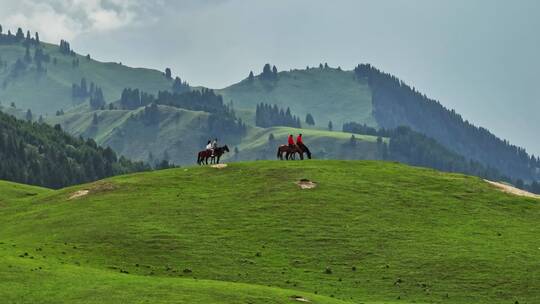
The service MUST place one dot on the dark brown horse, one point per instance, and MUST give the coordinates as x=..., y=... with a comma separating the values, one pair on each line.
x=203, y=156
x=291, y=151
x=218, y=152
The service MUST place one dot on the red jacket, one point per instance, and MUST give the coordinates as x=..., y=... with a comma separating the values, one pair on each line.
x=299, y=140
x=291, y=140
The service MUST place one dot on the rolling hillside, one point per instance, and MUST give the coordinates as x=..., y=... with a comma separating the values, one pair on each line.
x=52, y=90
x=370, y=232
x=177, y=136
x=323, y=144
x=328, y=94
x=364, y=95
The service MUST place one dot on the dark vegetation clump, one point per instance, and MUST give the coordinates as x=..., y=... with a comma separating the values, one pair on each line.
x=267, y=116
x=38, y=154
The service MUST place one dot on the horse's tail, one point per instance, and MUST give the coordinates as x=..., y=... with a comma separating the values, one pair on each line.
x=199, y=158
x=279, y=153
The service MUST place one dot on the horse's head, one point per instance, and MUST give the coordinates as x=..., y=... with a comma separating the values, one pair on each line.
x=226, y=148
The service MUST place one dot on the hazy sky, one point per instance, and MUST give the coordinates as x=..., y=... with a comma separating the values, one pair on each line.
x=481, y=58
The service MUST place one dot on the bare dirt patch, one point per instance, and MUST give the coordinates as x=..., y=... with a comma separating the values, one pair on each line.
x=219, y=166
x=78, y=194
x=306, y=184
x=512, y=190
x=300, y=299
x=94, y=188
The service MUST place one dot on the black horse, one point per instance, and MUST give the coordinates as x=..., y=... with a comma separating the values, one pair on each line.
x=218, y=152
x=203, y=156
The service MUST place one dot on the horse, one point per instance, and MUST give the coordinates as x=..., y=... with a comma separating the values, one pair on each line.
x=203, y=156
x=218, y=152
x=290, y=151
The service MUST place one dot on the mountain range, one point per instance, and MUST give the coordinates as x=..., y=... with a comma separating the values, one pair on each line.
x=152, y=115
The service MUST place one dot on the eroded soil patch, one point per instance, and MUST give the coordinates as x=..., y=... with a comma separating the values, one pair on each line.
x=512, y=190
x=306, y=184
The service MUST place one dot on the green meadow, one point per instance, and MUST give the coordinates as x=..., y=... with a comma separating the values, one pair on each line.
x=369, y=232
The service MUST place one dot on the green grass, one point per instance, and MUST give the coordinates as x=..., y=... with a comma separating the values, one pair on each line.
x=47, y=93
x=328, y=94
x=250, y=235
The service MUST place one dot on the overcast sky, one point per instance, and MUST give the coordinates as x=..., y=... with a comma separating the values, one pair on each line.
x=479, y=57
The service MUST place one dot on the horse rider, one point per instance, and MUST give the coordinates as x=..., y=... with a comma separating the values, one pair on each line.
x=214, y=146
x=209, y=147
x=290, y=141
x=299, y=141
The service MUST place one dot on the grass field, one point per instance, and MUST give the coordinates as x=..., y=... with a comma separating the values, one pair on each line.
x=370, y=232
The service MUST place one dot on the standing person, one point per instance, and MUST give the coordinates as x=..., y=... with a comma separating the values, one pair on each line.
x=290, y=141
x=209, y=147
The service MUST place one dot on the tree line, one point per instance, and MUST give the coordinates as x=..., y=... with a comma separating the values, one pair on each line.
x=397, y=104
x=267, y=116
x=414, y=148
x=221, y=122
x=38, y=154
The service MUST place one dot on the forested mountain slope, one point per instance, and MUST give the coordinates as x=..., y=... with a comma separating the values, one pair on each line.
x=396, y=104
x=39, y=154
x=367, y=96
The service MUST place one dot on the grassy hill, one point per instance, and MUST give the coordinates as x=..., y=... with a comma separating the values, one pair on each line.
x=328, y=94
x=51, y=91
x=182, y=133
x=179, y=133
x=370, y=232
x=323, y=144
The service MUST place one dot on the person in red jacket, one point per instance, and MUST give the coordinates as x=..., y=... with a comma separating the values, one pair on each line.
x=299, y=141
x=290, y=141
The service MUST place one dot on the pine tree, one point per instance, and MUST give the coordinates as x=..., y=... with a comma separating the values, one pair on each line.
x=330, y=126
x=37, y=38
x=274, y=72
x=29, y=115
x=309, y=119
x=20, y=35
x=168, y=73
x=251, y=76
x=267, y=72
